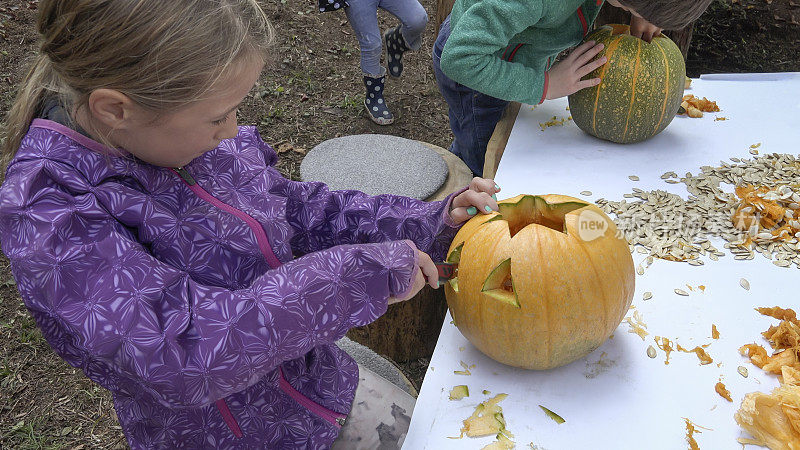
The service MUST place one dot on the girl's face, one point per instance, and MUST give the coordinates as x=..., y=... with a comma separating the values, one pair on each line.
x=175, y=139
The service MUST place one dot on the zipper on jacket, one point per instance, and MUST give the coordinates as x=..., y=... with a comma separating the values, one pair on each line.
x=334, y=418
x=185, y=175
x=255, y=227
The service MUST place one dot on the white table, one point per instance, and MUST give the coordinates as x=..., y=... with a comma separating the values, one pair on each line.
x=617, y=397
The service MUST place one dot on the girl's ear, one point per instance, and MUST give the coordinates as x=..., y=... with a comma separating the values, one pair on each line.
x=112, y=108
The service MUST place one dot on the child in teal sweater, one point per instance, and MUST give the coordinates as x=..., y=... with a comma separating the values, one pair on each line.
x=490, y=52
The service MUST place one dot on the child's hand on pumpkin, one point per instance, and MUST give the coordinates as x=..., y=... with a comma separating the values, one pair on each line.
x=480, y=197
x=641, y=28
x=564, y=78
x=425, y=273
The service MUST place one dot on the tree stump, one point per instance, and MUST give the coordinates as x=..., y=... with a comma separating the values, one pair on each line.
x=409, y=330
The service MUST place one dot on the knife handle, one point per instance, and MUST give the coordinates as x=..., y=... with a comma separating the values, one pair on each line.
x=446, y=271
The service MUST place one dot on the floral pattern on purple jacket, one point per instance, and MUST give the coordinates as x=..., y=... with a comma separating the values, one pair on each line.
x=210, y=311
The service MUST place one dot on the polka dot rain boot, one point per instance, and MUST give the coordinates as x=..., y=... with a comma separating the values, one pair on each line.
x=395, y=46
x=374, y=102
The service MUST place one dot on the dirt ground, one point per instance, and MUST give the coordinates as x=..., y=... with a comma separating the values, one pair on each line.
x=312, y=93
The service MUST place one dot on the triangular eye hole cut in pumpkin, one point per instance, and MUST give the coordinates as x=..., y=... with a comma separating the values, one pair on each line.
x=454, y=258
x=532, y=209
x=500, y=286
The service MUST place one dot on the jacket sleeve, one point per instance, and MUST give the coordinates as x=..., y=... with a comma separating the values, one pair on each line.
x=322, y=218
x=470, y=56
x=102, y=299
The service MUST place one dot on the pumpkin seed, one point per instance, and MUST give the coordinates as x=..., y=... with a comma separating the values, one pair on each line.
x=745, y=284
x=669, y=226
x=742, y=371
x=651, y=352
x=640, y=270
x=633, y=177
x=586, y=193
x=782, y=263
x=681, y=292
x=647, y=296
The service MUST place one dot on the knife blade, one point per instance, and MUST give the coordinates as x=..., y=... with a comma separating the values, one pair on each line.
x=446, y=271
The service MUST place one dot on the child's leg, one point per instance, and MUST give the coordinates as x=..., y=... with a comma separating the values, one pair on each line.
x=407, y=36
x=380, y=415
x=473, y=115
x=363, y=18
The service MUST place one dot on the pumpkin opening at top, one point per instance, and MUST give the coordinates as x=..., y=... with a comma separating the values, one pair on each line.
x=533, y=209
x=640, y=91
x=531, y=291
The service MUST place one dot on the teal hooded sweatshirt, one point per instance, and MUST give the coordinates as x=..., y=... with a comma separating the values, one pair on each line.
x=503, y=48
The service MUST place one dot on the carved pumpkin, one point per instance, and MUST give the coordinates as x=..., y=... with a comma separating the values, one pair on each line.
x=540, y=283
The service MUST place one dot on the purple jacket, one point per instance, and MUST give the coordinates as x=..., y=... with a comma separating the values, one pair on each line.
x=206, y=300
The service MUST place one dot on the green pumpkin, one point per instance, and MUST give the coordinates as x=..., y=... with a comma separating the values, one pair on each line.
x=640, y=90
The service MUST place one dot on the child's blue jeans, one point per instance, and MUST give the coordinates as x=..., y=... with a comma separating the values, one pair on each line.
x=473, y=115
x=363, y=18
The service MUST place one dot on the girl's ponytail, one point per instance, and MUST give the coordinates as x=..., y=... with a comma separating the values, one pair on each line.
x=161, y=54
x=40, y=79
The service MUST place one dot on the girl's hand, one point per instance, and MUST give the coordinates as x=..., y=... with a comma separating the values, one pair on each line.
x=480, y=197
x=641, y=28
x=565, y=76
x=426, y=273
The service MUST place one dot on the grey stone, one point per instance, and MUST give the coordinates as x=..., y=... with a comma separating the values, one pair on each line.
x=376, y=164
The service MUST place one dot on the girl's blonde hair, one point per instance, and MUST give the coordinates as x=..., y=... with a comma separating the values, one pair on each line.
x=163, y=54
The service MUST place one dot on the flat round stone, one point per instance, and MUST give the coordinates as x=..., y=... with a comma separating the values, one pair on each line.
x=376, y=164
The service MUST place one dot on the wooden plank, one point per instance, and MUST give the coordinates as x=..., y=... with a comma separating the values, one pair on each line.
x=443, y=8
x=497, y=143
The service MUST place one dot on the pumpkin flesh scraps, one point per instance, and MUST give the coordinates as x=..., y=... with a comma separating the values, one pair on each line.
x=466, y=370
x=723, y=391
x=664, y=344
x=637, y=325
x=714, y=332
x=691, y=429
x=784, y=339
x=774, y=419
x=762, y=208
x=695, y=107
x=459, y=392
x=533, y=209
x=558, y=419
x=486, y=420
x=502, y=443
x=700, y=351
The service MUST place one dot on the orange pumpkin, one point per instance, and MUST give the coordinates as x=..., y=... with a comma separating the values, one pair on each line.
x=540, y=283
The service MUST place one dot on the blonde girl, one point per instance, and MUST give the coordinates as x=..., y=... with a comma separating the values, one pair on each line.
x=160, y=251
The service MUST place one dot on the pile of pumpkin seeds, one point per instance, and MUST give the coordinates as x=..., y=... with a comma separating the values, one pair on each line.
x=667, y=226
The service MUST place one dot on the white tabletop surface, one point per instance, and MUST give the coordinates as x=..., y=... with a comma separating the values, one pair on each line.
x=617, y=397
